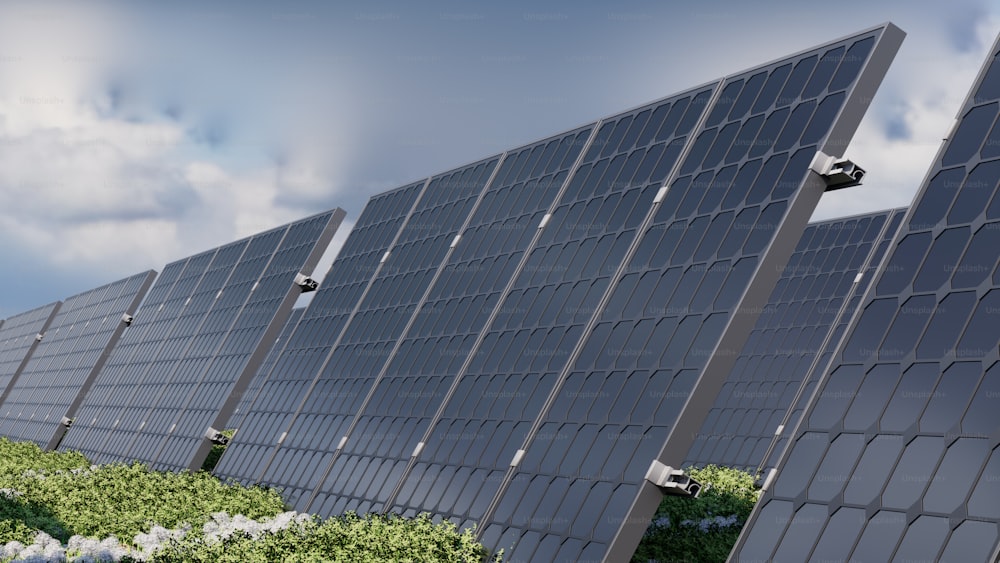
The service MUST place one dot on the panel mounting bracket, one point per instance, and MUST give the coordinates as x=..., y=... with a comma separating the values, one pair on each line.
x=838, y=173
x=672, y=481
x=216, y=437
x=305, y=283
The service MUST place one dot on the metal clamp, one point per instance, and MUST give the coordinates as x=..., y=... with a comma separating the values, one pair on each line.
x=839, y=173
x=672, y=481
x=216, y=437
x=305, y=283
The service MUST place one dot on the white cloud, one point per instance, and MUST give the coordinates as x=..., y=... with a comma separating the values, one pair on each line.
x=920, y=98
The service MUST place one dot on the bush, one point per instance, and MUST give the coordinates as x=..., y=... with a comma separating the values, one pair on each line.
x=704, y=529
x=371, y=538
x=56, y=506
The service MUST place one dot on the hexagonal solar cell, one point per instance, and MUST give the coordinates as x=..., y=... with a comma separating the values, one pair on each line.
x=929, y=469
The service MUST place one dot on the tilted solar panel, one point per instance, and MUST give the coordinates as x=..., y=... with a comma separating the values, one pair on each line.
x=167, y=387
x=353, y=365
x=500, y=388
x=319, y=331
x=19, y=336
x=795, y=337
x=416, y=380
x=648, y=270
x=254, y=390
x=643, y=378
x=897, y=456
x=77, y=343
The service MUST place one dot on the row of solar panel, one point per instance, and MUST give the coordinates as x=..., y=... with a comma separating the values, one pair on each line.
x=528, y=354
x=491, y=313
x=512, y=343
x=59, y=360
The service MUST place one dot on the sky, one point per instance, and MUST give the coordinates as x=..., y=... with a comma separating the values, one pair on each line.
x=133, y=133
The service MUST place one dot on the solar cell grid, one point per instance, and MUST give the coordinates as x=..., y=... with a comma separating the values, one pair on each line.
x=137, y=405
x=793, y=331
x=353, y=365
x=729, y=220
x=118, y=381
x=19, y=336
x=894, y=457
x=77, y=342
x=501, y=390
x=327, y=315
x=418, y=378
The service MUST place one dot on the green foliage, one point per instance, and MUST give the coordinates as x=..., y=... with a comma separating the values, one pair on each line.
x=216, y=453
x=692, y=530
x=62, y=495
x=371, y=538
x=18, y=457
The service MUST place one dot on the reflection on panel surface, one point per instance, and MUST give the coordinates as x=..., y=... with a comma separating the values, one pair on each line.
x=899, y=445
x=62, y=367
x=794, y=336
x=195, y=340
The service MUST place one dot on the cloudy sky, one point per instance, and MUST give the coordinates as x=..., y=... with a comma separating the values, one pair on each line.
x=133, y=134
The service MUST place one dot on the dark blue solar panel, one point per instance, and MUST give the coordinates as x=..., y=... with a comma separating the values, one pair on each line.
x=354, y=363
x=19, y=336
x=254, y=390
x=714, y=234
x=897, y=434
x=796, y=330
x=574, y=343
x=516, y=360
x=60, y=371
x=204, y=320
x=322, y=323
x=420, y=376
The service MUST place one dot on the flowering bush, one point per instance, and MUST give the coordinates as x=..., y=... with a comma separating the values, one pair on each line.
x=57, y=507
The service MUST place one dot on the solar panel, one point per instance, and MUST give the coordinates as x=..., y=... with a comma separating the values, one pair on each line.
x=366, y=343
x=208, y=324
x=45, y=395
x=896, y=456
x=386, y=425
x=331, y=310
x=253, y=391
x=499, y=388
x=794, y=338
x=19, y=336
x=641, y=381
x=497, y=421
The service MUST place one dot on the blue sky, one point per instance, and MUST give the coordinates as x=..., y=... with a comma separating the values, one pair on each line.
x=133, y=133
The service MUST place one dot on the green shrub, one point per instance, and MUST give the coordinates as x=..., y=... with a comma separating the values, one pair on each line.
x=63, y=496
x=705, y=529
x=370, y=538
